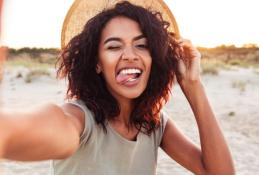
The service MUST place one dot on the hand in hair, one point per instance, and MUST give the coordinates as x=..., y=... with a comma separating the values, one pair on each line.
x=189, y=65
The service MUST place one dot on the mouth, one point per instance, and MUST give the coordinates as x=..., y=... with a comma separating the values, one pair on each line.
x=128, y=76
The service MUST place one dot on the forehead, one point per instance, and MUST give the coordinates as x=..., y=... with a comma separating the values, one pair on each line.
x=121, y=27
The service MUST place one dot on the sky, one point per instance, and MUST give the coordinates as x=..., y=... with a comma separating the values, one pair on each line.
x=207, y=23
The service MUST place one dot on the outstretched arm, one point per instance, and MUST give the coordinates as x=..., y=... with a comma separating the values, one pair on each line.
x=44, y=132
x=214, y=156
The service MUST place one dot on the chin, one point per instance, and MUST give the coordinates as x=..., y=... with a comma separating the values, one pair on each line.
x=132, y=95
x=127, y=93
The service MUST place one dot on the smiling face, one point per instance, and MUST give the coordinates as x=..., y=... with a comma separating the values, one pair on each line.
x=124, y=58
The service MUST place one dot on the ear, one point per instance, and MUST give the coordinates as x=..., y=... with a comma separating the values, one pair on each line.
x=98, y=69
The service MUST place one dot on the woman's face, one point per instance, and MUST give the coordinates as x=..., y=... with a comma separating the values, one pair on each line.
x=124, y=58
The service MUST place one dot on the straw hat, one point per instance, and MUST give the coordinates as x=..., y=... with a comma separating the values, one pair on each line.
x=82, y=10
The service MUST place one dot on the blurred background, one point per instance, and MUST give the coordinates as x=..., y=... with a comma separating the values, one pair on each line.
x=225, y=32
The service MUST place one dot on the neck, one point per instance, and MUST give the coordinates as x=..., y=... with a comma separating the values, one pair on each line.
x=126, y=106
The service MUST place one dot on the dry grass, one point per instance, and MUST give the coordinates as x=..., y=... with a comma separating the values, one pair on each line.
x=36, y=73
x=247, y=56
x=231, y=113
x=238, y=62
x=210, y=69
x=239, y=84
x=27, y=62
x=213, y=66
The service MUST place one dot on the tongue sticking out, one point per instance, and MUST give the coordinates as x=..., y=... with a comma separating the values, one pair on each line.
x=122, y=78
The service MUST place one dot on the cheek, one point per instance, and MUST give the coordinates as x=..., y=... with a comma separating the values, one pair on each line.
x=149, y=66
x=108, y=65
x=148, y=63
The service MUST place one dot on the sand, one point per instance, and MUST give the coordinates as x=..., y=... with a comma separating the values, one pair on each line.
x=233, y=95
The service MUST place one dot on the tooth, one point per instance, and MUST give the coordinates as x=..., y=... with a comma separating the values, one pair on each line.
x=131, y=79
x=130, y=71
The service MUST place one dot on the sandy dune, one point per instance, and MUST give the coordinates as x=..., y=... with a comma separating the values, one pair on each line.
x=233, y=94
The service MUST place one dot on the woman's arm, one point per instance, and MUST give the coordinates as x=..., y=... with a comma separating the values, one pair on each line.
x=214, y=157
x=45, y=132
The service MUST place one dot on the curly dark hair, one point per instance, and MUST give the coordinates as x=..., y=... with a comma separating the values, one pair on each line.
x=78, y=61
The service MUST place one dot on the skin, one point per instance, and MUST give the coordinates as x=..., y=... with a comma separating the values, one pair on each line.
x=67, y=121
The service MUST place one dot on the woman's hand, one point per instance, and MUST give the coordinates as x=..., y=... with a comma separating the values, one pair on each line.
x=3, y=134
x=1, y=145
x=189, y=66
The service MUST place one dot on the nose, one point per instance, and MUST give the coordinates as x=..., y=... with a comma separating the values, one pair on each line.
x=129, y=54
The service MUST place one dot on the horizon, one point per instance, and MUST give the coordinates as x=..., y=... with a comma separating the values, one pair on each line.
x=250, y=45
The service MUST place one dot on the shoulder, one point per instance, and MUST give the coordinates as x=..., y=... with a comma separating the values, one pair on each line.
x=75, y=114
x=159, y=131
x=163, y=120
x=82, y=117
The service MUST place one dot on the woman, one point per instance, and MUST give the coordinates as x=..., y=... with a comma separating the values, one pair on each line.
x=120, y=70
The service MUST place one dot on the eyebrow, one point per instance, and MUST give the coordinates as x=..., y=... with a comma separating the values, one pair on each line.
x=119, y=39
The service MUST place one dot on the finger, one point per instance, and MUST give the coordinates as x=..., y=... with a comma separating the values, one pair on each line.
x=189, y=49
x=184, y=41
x=185, y=44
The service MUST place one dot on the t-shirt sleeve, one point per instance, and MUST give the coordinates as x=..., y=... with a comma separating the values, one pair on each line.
x=88, y=121
x=163, y=121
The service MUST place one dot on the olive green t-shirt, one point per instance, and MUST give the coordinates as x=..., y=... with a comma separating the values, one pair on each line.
x=109, y=153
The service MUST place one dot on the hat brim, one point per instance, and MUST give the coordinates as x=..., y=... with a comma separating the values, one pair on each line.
x=83, y=10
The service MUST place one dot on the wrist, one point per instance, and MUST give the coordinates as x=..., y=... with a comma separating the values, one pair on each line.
x=191, y=85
